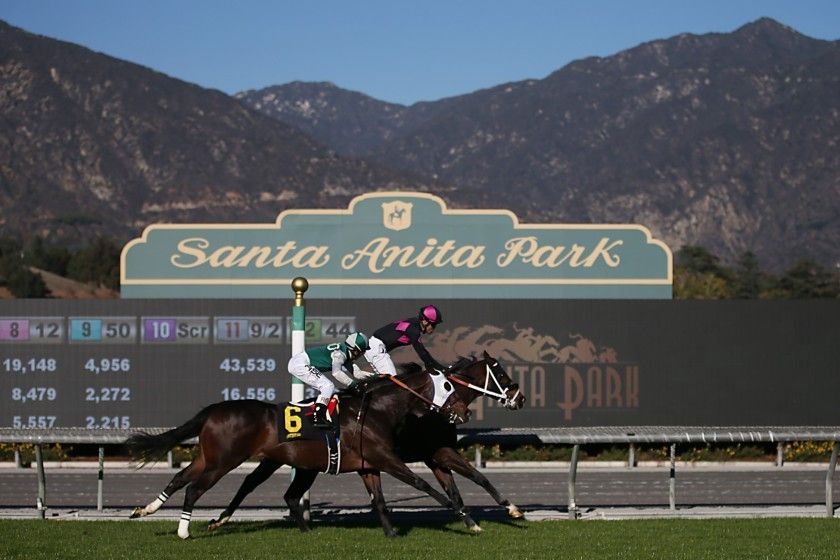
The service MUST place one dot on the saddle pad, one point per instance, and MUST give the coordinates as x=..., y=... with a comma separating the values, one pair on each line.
x=295, y=424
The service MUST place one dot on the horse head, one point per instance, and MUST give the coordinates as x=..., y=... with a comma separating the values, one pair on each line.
x=487, y=377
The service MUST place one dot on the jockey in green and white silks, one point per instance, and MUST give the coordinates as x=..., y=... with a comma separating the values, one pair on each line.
x=312, y=365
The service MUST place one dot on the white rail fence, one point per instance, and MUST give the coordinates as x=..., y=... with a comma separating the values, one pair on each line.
x=576, y=437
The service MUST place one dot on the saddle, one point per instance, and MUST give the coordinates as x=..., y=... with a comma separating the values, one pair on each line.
x=295, y=424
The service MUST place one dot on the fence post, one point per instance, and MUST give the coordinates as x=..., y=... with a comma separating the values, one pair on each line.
x=780, y=454
x=672, y=484
x=101, y=476
x=573, y=510
x=41, y=503
x=477, y=461
x=631, y=455
x=299, y=286
x=829, y=480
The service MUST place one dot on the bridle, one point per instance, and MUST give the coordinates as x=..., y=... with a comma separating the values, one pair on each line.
x=498, y=392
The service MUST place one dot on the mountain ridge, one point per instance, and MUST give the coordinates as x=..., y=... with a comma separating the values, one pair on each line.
x=96, y=145
x=706, y=139
x=726, y=140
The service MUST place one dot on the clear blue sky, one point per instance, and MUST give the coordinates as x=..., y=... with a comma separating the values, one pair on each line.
x=394, y=50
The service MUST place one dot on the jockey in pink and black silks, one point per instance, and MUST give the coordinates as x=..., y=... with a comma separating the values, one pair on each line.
x=402, y=333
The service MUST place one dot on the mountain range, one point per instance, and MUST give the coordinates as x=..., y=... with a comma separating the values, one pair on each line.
x=93, y=145
x=726, y=140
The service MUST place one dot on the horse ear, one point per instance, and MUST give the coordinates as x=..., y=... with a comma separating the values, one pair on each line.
x=487, y=356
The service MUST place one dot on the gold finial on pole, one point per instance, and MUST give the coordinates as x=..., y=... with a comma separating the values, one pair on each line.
x=299, y=285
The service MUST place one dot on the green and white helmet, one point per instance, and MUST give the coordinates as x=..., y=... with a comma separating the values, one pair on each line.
x=357, y=341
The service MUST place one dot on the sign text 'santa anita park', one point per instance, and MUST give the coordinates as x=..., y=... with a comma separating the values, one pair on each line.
x=397, y=245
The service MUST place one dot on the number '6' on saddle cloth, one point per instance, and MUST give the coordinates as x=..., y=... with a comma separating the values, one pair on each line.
x=295, y=424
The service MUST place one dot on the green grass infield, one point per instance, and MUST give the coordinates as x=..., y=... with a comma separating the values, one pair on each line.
x=789, y=539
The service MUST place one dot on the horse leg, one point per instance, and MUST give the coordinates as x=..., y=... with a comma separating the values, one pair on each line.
x=216, y=465
x=300, y=484
x=444, y=477
x=373, y=483
x=197, y=489
x=451, y=459
x=188, y=474
x=259, y=475
x=392, y=465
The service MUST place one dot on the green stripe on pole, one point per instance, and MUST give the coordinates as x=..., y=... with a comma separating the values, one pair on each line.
x=298, y=318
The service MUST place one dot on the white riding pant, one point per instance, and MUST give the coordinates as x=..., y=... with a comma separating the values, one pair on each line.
x=377, y=356
x=299, y=367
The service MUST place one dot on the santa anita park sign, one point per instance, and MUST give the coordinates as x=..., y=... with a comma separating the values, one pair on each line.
x=397, y=245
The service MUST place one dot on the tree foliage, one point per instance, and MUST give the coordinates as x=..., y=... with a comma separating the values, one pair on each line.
x=97, y=262
x=16, y=275
x=698, y=274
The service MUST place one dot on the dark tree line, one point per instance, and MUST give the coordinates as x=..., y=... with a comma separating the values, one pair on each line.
x=97, y=262
x=698, y=274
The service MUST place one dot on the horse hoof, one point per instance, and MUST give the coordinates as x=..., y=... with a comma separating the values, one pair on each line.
x=216, y=523
x=476, y=529
x=184, y=535
x=514, y=512
x=390, y=533
x=138, y=512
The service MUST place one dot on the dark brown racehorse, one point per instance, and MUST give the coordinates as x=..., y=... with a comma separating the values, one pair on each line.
x=232, y=431
x=428, y=438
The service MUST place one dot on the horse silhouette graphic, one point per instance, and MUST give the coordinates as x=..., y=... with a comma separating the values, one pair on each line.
x=526, y=345
x=396, y=215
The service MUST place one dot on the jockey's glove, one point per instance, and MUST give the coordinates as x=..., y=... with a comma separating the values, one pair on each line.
x=361, y=374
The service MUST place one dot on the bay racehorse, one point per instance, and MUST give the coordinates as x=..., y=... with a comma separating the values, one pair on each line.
x=230, y=432
x=428, y=438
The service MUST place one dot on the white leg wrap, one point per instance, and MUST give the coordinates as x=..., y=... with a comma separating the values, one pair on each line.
x=155, y=505
x=184, y=525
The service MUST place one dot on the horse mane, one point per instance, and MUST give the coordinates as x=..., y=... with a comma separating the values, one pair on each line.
x=463, y=362
x=405, y=370
x=408, y=368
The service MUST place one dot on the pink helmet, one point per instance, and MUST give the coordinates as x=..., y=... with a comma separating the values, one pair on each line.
x=431, y=314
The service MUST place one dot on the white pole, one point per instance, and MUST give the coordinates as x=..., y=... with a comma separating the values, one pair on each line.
x=299, y=286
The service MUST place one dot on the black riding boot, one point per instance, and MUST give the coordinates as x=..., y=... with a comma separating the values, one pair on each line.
x=319, y=420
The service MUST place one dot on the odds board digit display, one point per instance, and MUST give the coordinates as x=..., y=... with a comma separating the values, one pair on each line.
x=153, y=363
x=124, y=364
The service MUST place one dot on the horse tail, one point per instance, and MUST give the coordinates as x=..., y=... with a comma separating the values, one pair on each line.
x=148, y=448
